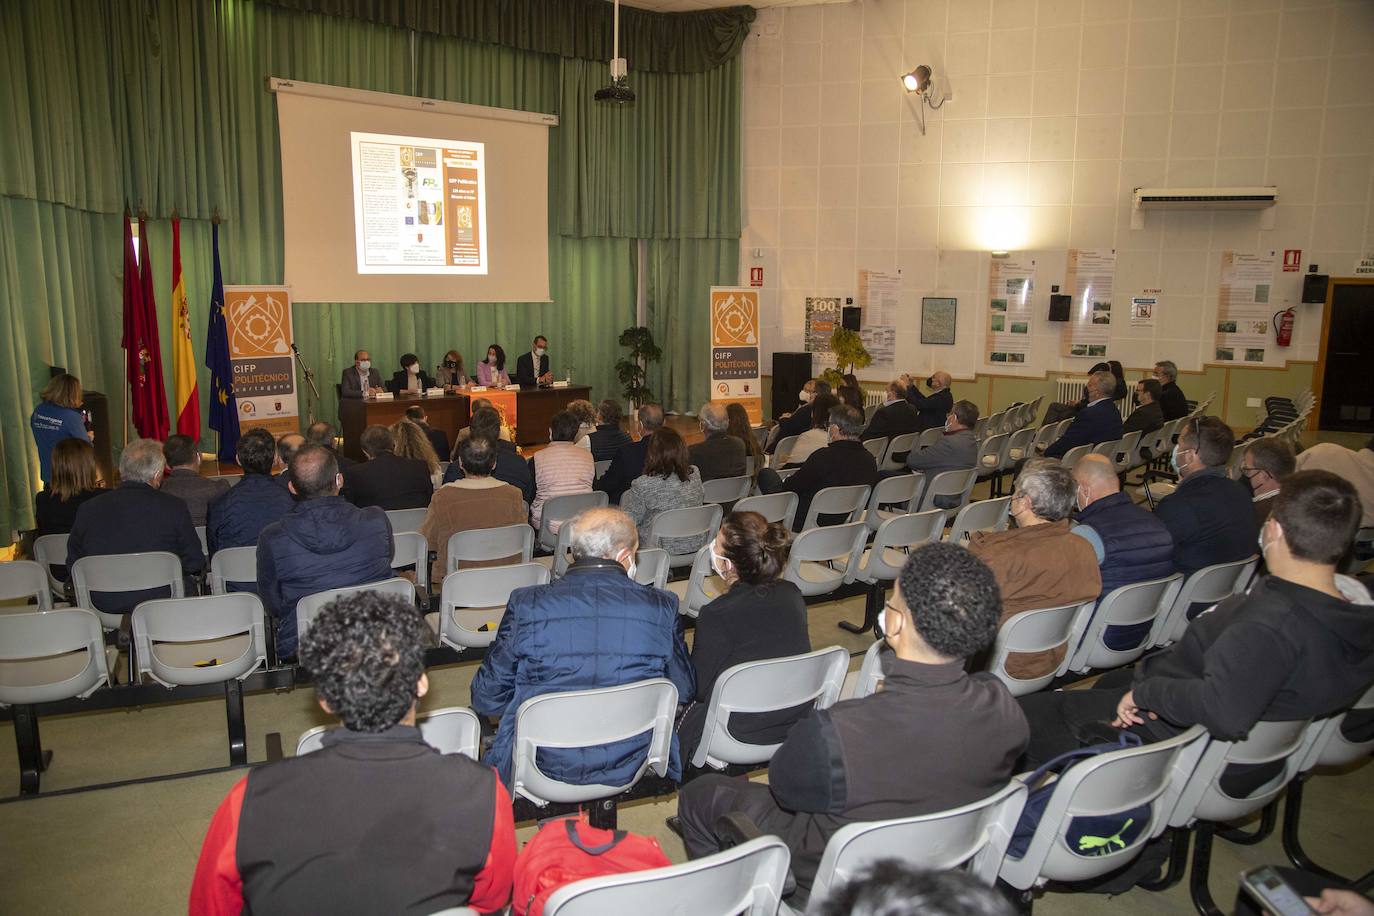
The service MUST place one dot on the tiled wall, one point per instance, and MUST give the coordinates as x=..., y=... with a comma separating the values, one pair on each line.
x=1060, y=109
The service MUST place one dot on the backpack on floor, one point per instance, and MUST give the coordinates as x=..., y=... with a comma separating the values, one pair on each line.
x=1086, y=835
x=569, y=849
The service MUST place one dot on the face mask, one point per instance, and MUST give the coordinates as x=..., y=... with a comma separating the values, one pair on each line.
x=1081, y=500
x=882, y=622
x=491, y=358
x=804, y=397
x=1262, y=546
x=718, y=563
x=364, y=364
x=1173, y=460
x=948, y=423
x=413, y=368
x=633, y=569
x=539, y=351
x=450, y=364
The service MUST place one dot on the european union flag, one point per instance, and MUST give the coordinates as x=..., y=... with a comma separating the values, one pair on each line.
x=224, y=410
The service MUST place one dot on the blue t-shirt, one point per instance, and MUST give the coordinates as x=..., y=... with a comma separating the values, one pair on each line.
x=51, y=424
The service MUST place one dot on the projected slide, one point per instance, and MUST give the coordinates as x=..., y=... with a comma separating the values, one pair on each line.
x=419, y=205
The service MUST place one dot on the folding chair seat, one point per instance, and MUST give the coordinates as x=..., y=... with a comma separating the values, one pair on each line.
x=1207, y=586
x=561, y=508
x=897, y=448
x=50, y=552
x=1118, y=631
x=406, y=519
x=984, y=515
x=125, y=572
x=308, y=607
x=1039, y=630
x=745, y=879
x=472, y=601
x=767, y=685
x=850, y=501
x=992, y=452
x=233, y=564
x=24, y=579
x=776, y=507
x=487, y=545
x=451, y=730
x=728, y=489
x=693, y=523
x=877, y=448
x=812, y=562
x=954, y=486
x=901, y=491
x=881, y=563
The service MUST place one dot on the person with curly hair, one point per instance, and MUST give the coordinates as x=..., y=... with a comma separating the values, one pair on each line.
x=353, y=827
x=934, y=738
x=891, y=887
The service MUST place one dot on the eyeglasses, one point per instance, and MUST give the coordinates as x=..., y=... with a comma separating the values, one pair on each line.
x=1251, y=472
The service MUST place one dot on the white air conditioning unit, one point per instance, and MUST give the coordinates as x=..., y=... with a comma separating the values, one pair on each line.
x=1254, y=198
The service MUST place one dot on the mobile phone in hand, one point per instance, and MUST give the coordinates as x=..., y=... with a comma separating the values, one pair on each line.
x=1266, y=886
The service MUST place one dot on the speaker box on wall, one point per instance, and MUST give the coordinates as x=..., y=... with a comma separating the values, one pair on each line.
x=849, y=318
x=790, y=372
x=1059, y=307
x=1314, y=287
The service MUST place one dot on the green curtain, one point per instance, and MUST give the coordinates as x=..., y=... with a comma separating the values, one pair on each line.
x=664, y=42
x=679, y=274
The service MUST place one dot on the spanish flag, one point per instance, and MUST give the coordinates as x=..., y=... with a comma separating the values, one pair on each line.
x=183, y=358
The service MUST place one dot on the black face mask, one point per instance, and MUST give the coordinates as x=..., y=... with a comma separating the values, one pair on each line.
x=930, y=382
x=450, y=364
x=1135, y=399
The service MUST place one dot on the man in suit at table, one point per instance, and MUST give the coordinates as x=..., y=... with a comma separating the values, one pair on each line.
x=1100, y=421
x=525, y=367
x=360, y=378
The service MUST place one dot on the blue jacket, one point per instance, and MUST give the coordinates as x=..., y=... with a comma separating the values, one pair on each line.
x=1100, y=422
x=237, y=517
x=1212, y=520
x=51, y=423
x=592, y=628
x=320, y=544
x=1135, y=547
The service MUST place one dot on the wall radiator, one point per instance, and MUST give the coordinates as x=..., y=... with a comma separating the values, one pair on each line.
x=1069, y=389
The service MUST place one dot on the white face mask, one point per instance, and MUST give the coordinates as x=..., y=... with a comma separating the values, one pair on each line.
x=1080, y=500
x=718, y=563
x=364, y=364
x=1173, y=460
x=633, y=568
x=491, y=358
x=539, y=351
x=949, y=421
x=413, y=369
x=804, y=397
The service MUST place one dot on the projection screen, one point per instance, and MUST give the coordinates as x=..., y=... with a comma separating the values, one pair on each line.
x=392, y=198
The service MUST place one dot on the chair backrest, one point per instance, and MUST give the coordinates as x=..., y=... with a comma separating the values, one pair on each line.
x=471, y=599
x=125, y=572
x=984, y=515
x=1099, y=787
x=1018, y=447
x=980, y=427
x=776, y=507
x=1128, y=454
x=588, y=718
x=761, y=434
x=409, y=548
x=900, y=491
x=601, y=467
x=895, y=447
x=51, y=655
x=1045, y=435
x=871, y=672
x=727, y=489
x=783, y=450
x=451, y=730
x=1036, y=631
x=233, y=564
x=1073, y=455
x=821, y=549
x=957, y=484
x=876, y=447
x=990, y=452
x=406, y=519
x=974, y=837
x=482, y=545
x=222, y=637
x=1203, y=799
x=745, y=879
x=310, y=605
x=25, y=579
x=561, y=508
x=1130, y=605
x=766, y=686
x=849, y=501
x=651, y=566
x=1328, y=746
x=51, y=550
x=689, y=522
x=895, y=538
x=1206, y=586
x=929, y=437
x=1108, y=449
x=699, y=592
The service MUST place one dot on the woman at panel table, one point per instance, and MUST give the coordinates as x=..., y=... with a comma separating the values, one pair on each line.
x=449, y=373
x=411, y=377
x=492, y=370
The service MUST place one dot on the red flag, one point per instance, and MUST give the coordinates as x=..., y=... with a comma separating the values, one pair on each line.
x=142, y=353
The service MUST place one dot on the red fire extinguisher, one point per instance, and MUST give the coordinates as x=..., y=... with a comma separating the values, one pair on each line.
x=1283, y=326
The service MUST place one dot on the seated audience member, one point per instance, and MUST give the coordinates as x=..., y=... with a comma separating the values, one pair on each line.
x=799, y=420
x=956, y=450
x=1264, y=464
x=585, y=412
x=1148, y=415
x=594, y=627
x=1118, y=373
x=450, y=374
x=1298, y=645
x=738, y=425
x=1061, y=410
x=386, y=479
x=934, y=738
x=410, y=377
x=492, y=370
x=931, y=409
x=760, y=616
x=183, y=478
x=1099, y=421
x=1039, y=563
x=322, y=543
x=1210, y=516
x=287, y=447
x=1131, y=544
x=438, y=439
x=560, y=468
x=851, y=392
x=628, y=462
x=360, y=379
x=818, y=436
x=510, y=467
x=238, y=517
x=475, y=500
x=719, y=454
x=506, y=433
x=844, y=462
x=669, y=482
x=1355, y=466
x=135, y=517
x=353, y=827
x=412, y=443
x=1172, y=401
x=608, y=438
x=891, y=887
x=73, y=478
x=895, y=418
x=324, y=435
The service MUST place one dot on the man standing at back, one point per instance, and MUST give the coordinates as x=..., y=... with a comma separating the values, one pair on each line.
x=1210, y=516
x=385, y=479
x=594, y=627
x=322, y=543
x=1100, y=421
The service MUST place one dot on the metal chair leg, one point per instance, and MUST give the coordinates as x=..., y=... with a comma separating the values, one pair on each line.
x=1268, y=818
x=1202, y=867
x=33, y=760
x=1178, y=862
x=233, y=707
x=1292, y=841
x=873, y=602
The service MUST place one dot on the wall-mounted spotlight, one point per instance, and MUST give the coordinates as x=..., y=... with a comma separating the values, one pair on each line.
x=920, y=81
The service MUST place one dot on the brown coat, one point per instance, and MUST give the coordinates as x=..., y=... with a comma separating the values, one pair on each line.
x=464, y=504
x=1042, y=566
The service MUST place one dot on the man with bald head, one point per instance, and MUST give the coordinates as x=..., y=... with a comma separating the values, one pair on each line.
x=594, y=627
x=324, y=542
x=931, y=409
x=1100, y=421
x=1131, y=544
x=287, y=447
x=719, y=454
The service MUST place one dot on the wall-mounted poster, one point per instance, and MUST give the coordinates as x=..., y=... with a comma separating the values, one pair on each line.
x=938, y=320
x=1011, y=283
x=1245, y=307
x=735, y=349
x=822, y=318
x=878, y=298
x=1090, y=276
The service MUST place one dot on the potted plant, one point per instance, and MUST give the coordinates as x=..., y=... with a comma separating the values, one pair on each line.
x=633, y=371
x=850, y=354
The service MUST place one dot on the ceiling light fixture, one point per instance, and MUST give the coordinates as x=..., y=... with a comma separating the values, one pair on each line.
x=921, y=82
